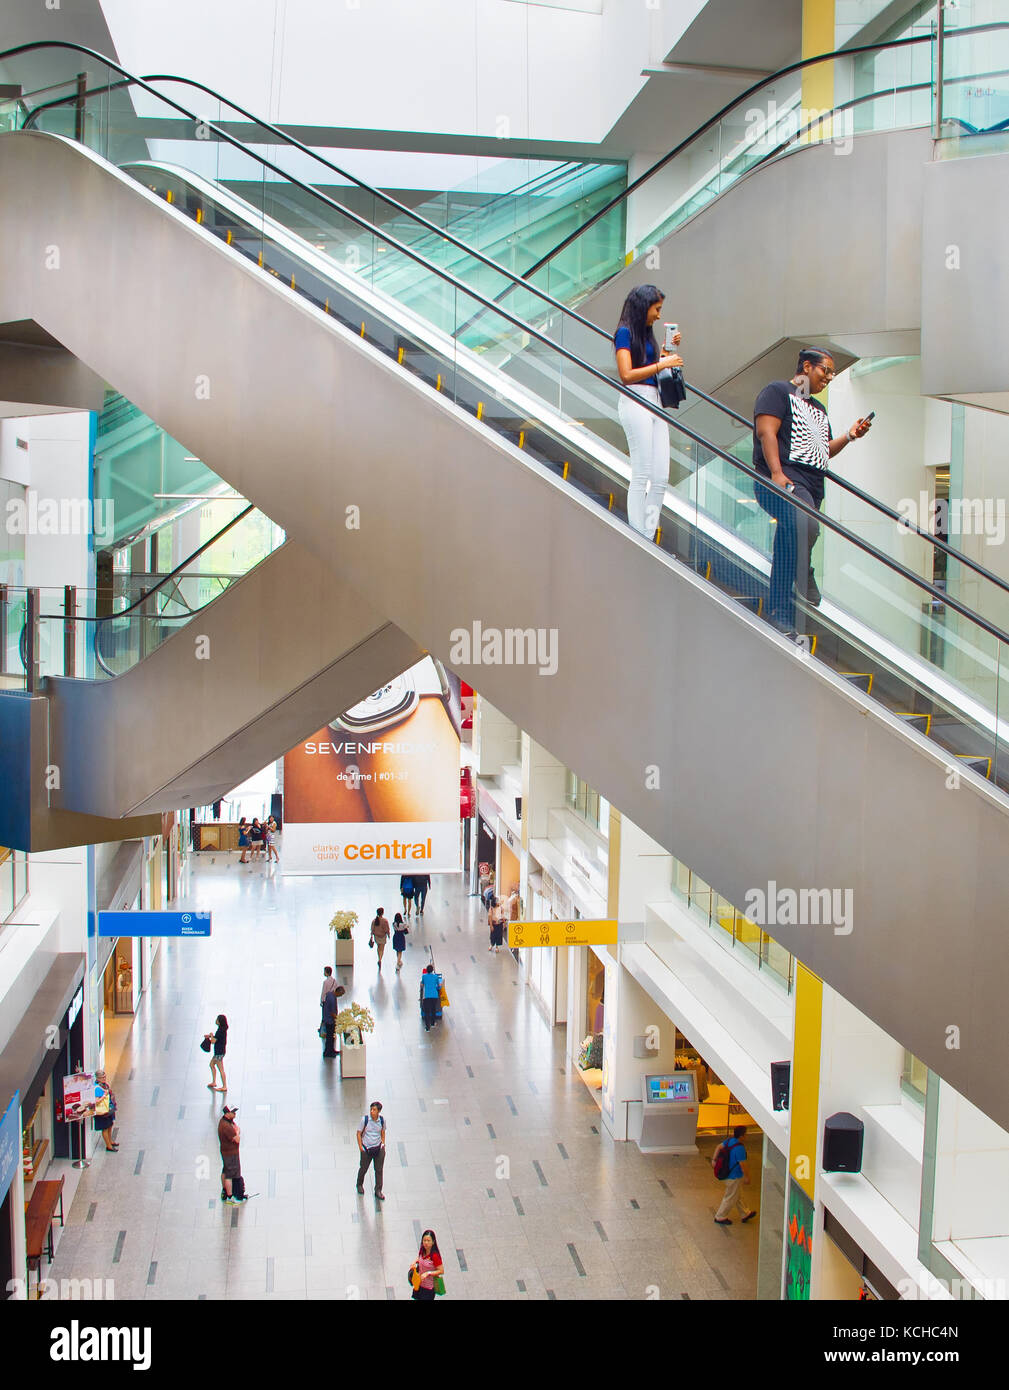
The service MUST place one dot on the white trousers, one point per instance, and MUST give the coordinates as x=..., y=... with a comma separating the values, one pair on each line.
x=732, y=1197
x=648, y=445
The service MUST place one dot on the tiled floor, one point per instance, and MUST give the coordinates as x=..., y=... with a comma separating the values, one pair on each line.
x=493, y=1142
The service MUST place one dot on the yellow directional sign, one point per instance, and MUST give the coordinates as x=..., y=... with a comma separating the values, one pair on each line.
x=585, y=933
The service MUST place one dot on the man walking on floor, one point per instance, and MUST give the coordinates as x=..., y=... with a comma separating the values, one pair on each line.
x=737, y=1173
x=371, y=1142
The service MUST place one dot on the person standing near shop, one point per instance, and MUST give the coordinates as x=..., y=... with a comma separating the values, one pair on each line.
x=430, y=1266
x=738, y=1175
x=400, y=932
x=421, y=888
x=243, y=840
x=496, y=921
x=639, y=363
x=487, y=889
x=104, y=1123
x=371, y=1135
x=229, y=1137
x=792, y=446
x=220, y=1038
x=380, y=934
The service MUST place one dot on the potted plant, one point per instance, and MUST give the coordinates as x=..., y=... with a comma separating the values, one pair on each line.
x=351, y=1024
x=342, y=925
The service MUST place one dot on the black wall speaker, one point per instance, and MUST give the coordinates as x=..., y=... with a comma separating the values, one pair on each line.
x=781, y=1084
x=843, y=1135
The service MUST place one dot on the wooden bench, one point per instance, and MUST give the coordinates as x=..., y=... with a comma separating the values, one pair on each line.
x=39, y=1214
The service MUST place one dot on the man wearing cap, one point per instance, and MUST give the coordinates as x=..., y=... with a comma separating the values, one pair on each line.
x=229, y=1135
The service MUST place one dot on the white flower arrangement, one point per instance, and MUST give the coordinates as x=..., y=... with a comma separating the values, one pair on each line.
x=355, y=1020
x=343, y=923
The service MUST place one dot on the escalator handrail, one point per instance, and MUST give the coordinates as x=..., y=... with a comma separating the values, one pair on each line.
x=439, y=232
x=712, y=121
x=285, y=138
x=163, y=579
x=887, y=561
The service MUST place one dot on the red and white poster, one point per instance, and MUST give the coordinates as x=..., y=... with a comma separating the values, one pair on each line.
x=78, y=1096
x=377, y=790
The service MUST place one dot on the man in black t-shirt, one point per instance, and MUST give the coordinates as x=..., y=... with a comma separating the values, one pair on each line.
x=792, y=445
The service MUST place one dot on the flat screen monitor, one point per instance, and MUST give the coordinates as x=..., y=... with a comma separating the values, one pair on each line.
x=671, y=1088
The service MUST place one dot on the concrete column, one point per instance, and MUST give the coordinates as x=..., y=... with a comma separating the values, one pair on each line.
x=630, y=1014
x=495, y=740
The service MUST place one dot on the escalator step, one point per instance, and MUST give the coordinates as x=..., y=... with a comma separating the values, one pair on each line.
x=921, y=722
x=976, y=763
x=861, y=679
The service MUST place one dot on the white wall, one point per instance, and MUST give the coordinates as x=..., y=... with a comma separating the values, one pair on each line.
x=58, y=883
x=972, y=1172
x=59, y=464
x=496, y=740
x=860, y=1069
x=554, y=73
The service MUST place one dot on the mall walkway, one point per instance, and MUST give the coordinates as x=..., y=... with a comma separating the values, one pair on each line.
x=493, y=1142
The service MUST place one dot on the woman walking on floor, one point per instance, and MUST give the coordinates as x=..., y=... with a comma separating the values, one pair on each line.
x=400, y=932
x=429, y=1266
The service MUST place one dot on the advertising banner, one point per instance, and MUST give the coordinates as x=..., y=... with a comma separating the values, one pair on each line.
x=78, y=1096
x=377, y=790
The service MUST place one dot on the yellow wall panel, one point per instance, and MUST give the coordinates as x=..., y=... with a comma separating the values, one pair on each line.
x=805, y=1079
x=817, y=81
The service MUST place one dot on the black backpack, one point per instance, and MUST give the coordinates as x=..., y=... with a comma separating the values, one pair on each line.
x=723, y=1158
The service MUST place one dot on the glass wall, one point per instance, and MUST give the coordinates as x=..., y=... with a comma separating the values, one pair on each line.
x=13, y=880
x=719, y=914
x=913, y=1078
x=587, y=803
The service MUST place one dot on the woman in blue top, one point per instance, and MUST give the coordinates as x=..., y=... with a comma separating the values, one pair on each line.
x=638, y=364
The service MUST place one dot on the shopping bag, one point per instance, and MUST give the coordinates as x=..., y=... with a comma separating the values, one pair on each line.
x=439, y=1284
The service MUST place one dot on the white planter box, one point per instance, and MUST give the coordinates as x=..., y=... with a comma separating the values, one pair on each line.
x=352, y=1059
x=345, y=952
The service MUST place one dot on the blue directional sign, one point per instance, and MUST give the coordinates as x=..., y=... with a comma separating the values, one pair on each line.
x=154, y=924
x=10, y=1143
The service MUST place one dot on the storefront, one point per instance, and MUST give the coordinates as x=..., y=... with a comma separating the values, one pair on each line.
x=123, y=963
x=589, y=970
x=846, y=1272
x=46, y=1044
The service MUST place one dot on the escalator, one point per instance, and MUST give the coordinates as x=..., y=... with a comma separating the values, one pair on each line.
x=185, y=696
x=477, y=490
